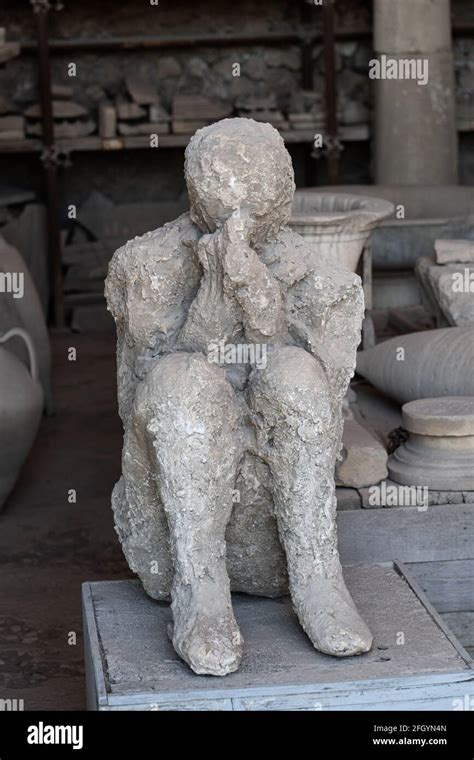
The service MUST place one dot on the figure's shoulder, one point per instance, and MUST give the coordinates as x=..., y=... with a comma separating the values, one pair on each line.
x=154, y=248
x=291, y=259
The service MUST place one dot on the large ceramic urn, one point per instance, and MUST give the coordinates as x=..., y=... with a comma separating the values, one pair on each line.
x=21, y=404
x=337, y=225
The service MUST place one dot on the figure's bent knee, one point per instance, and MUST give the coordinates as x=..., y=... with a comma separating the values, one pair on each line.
x=182, y=389
x=293, y=379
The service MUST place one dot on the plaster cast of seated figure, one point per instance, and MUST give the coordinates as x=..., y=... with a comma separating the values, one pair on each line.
x=232, y=271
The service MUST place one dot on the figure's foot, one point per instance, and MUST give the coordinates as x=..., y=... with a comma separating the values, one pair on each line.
x=329, y=617
x=205, y=634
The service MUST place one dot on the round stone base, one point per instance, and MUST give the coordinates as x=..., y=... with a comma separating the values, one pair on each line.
x=440, y=451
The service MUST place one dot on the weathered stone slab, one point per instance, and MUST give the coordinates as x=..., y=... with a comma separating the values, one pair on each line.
x=451, y=287
x=141, y=90
x=131, y=664
x=364, y=459
x=454, y=250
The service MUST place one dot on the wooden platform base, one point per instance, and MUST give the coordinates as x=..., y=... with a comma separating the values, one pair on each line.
x=415, y=663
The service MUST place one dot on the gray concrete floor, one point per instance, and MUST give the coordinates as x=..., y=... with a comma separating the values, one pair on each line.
x=48, y=547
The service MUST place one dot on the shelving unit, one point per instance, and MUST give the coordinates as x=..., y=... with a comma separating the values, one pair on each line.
x=95, y=143
x=50, y=149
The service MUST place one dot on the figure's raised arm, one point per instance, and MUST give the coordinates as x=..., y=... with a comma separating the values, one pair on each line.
x=325, y=309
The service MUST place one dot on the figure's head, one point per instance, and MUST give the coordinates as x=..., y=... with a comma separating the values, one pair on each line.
x=240, y=164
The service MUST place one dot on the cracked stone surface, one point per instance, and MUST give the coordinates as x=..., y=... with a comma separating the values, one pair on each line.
x=228, y=465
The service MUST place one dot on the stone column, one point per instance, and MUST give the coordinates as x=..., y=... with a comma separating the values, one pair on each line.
x=415, y=124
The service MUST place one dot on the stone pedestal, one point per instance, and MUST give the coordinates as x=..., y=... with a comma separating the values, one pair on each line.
x=416, y=134
x=131, y=664
x=440, y=451
x=447, y=288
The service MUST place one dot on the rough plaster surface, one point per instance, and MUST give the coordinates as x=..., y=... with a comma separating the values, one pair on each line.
x=228, y=469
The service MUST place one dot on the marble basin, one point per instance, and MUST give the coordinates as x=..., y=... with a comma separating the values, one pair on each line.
x=337, y=224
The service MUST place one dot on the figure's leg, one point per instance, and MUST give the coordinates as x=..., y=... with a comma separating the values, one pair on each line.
x=189, y=411
x=301, y=430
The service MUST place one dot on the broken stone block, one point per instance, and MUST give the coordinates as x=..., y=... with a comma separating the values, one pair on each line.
x=426, y=364
x=439, y=454
x=364, y=460
x=141, y=90
x=62, y=109
x=130, y=111
x=454, y=251
x=448, y=289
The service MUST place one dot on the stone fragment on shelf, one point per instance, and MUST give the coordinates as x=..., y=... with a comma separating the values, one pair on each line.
x=454, y=250
x=141, y=90
x=130, y=111
x=107, y=121
x=199, y=108
x=62, y=109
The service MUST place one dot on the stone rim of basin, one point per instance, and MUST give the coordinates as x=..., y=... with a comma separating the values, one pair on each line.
x=331, y=208
x=444, y=416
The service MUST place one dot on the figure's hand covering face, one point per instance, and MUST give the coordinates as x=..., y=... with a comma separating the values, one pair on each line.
x=240, y=164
